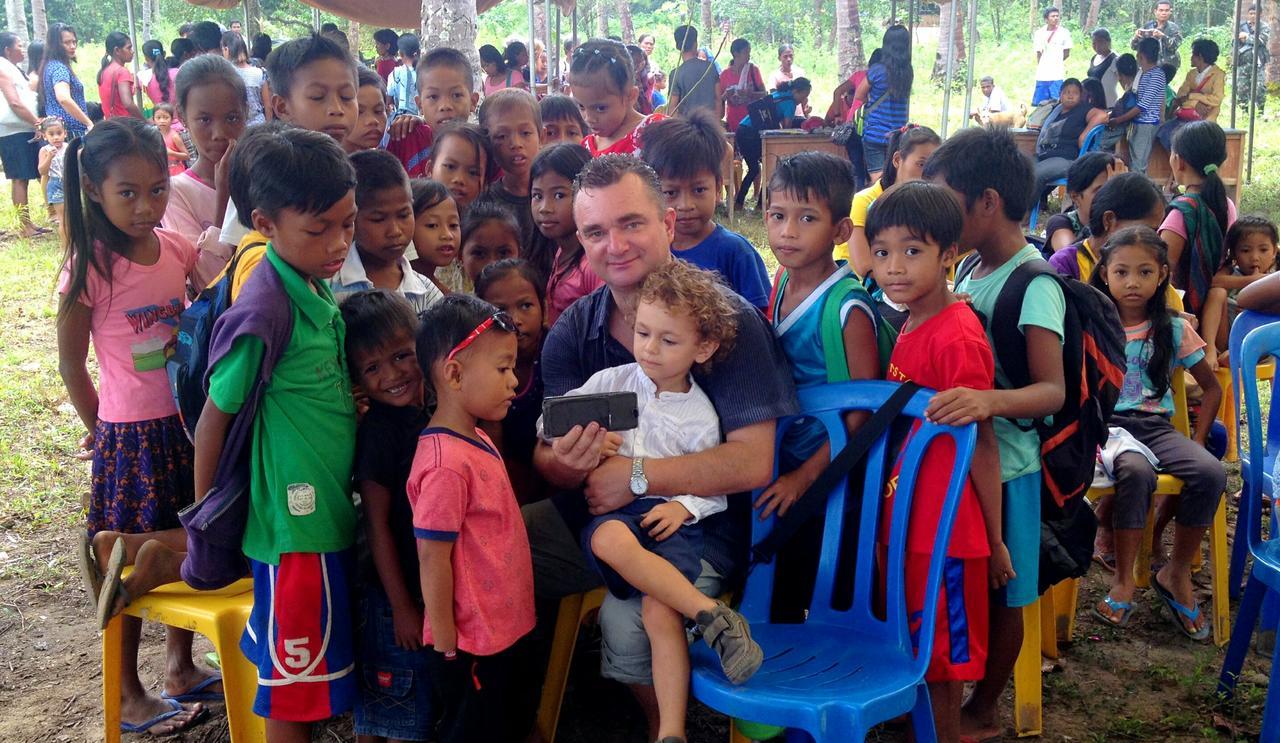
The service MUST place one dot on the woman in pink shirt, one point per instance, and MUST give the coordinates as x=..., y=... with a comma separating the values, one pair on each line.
x=115, y=82
x=741, y=82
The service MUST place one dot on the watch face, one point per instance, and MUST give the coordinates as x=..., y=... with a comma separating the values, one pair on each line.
x=639, y=485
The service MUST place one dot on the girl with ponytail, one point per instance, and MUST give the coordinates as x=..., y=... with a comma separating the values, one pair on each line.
x=1197, y=221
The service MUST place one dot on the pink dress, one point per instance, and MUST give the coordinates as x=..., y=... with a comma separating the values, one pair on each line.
x=566, y=287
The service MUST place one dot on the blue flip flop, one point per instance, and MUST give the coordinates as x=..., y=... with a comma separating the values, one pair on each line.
x=1177, y=611
x=175, y=709
x=1124, y=607
x=197, y=693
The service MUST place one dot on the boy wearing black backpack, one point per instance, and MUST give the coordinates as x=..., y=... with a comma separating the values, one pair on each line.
x=993, y=181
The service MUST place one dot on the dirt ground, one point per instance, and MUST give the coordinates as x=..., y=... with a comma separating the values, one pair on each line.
x=1145, y=683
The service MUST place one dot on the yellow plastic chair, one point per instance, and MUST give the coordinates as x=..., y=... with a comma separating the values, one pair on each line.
x=219, y=615
x=1227, y=408
x=573, y=610
x=1056, y=609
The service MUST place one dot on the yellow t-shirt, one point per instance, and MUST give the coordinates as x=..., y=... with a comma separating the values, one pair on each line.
x=251, y=250
x=862, y=202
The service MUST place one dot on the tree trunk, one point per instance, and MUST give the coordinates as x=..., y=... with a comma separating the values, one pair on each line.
x=1095, y=9
x=1035, y=15
x=602, y=20
x=848, y=38
x=451, y=23
x=817, y=24
x=624, y=18
x=145, y=22
x=1273, y=18
x=253, y=9
x=16, y=16
x=951, y=15
x=39, y=20
x=353, y=36
x=708, y=29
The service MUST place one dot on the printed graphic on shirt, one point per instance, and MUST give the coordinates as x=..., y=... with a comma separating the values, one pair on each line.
x=149, y=353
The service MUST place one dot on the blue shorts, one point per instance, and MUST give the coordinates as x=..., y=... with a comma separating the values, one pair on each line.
x=874, y=155
x=53, y=193
x=1022, y=538
x=299, y=637
x=683, y=549
x=395, y=684
x=1046, y=90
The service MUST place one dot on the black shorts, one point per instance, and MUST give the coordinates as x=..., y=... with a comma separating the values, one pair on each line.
x=20, y=156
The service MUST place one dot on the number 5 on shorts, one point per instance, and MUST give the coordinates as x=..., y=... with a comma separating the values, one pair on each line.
x=297, y=656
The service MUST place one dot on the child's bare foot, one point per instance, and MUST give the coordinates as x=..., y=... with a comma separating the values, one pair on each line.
x=978, y=729
x=152, y=715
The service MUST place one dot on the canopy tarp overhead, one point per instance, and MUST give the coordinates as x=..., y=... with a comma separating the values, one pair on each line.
x=390, y=13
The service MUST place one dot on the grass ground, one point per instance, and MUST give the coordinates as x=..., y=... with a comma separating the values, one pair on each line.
x=1145, y=683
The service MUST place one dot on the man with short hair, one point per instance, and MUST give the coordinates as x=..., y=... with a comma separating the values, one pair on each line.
x=1165, y=31
x=207, y=37
x=1251, y=56
x=1052, y=44
x=237, y=28
x=993, y=104
x=626, y=231
x=695, y=83
x=184, y=31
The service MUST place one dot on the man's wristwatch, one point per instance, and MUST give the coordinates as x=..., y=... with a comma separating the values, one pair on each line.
x=639, y=483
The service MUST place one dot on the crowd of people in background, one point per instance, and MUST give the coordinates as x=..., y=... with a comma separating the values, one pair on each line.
x=419, y=256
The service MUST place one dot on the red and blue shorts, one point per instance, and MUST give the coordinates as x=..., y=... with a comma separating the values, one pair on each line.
x=299, y=636
x=960, y=632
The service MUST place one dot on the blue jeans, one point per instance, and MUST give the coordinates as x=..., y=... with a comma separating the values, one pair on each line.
x=1141, y=139
x=396, y=693
x=1046, y=90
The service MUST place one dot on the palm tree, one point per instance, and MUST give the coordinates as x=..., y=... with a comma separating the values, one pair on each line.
x=1273, y=18
x=848, y=37
x=16, y=17
x=39, y=20
x=952, y=15
x=1091, y=22
x=624, y=16
x=451, y=23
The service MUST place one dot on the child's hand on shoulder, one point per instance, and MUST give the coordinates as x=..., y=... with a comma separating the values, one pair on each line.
x=959, y=406
x=407, y=622
x=1000, y=566
x=664, y=519
x=404, y=124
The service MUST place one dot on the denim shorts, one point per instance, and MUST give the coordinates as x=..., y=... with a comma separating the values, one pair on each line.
x=683, y=549
x=395, y=685
x=54, y=193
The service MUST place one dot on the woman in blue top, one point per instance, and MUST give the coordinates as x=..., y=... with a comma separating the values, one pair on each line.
x=788, y=97
x=61, y=92
x=887, y=93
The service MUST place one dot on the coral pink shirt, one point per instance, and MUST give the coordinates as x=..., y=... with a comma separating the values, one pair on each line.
x=134, y=318
x=460, y=493
x=565, y=287
x=193, y=204
x=628, y=145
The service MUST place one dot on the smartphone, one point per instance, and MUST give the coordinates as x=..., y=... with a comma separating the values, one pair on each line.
x=614, y=411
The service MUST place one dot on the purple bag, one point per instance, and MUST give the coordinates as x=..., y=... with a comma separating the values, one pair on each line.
x=215, y=524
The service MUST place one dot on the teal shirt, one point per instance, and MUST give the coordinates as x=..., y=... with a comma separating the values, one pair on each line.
x=304, y=436
x=1043, y=306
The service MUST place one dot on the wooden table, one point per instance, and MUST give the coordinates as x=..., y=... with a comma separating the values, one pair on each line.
x=781, y=143
x=1158, y=165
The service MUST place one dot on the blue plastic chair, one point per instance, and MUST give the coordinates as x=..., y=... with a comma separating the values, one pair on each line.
x=1245, y=323
x=844, y=671
x=1264, y=577
x=1091, y=143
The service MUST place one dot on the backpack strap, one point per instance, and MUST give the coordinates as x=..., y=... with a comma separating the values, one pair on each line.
x=814, y=499
x=1008, y=342
x=966, y=267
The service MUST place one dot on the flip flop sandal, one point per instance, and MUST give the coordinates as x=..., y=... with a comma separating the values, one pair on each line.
x=1177, y=612
x=89, y=572
x=197, y=693
x=112, y=587
x=1124, y=607
x=175, y=709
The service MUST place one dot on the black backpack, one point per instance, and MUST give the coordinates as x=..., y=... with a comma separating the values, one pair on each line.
x=1093, y=364
x=764, y=113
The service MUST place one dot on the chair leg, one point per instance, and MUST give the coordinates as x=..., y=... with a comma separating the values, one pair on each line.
x=1065, y=600
x=922, y=724
x=1226, y=414
x=1271, y=712
x=1027, y=692
x=1239, y=554
x=1048, y=624
x=1218, y=562
x=562, y=645
x=1238, y=647
x=111, y=659
x=239, y=679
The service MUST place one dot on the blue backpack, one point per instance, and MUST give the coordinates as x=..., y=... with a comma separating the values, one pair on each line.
x=188, y=361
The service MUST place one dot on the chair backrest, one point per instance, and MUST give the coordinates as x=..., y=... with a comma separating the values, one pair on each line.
x=1093, y=139
x=1245, y=323
x=829, y=404
x=1257, y=340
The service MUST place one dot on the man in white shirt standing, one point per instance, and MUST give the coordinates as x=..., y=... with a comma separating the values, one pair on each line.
x=1053, y=45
